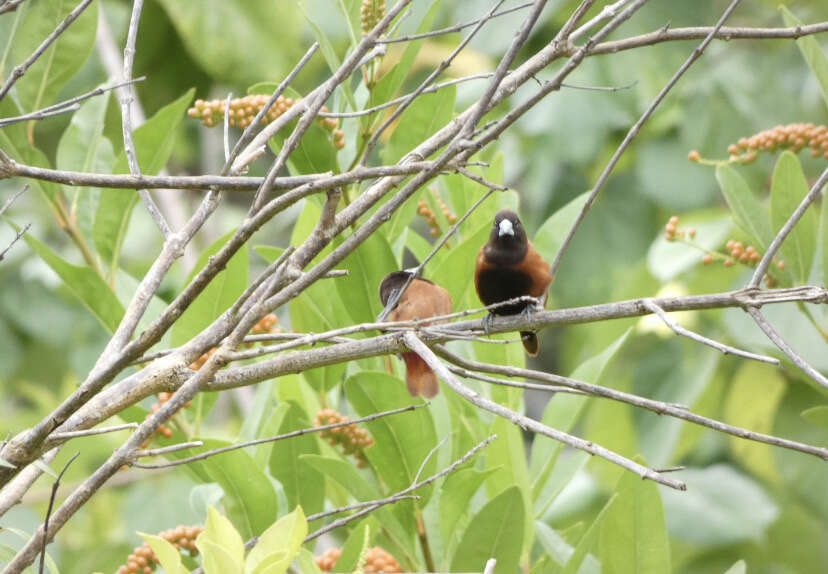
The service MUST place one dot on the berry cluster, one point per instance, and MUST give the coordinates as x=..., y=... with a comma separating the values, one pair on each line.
x=376, y=560
x=790, y=136
x=371, y=13
x=243, y=111
x=736, y=250
x=425, y=211
x=143, y=559
x=351, y=438
x=163, y=430
x=266, y=324
x=673, y=232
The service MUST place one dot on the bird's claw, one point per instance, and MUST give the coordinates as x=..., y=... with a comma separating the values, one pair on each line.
x=487, y=323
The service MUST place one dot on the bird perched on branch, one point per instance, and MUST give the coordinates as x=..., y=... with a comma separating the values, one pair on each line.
x=508, y=267
x=421, y=300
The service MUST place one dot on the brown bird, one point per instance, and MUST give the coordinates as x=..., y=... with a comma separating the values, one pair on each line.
x=508, y=266
x=422, y=299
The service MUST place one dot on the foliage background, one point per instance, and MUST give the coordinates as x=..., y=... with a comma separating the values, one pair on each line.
x=745, y=501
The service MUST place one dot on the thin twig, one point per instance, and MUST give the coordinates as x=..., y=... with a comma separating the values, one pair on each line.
x=658, y=407
x=427, y=355
x=291, y=434
x=66, y=105
x=125, y=97
x=10, y=5
x=167, y=449
x=633, y=132
x=763, y=265
x=90, y=432
x=608, y=12
x=55, y=487
x=726, y=349
x=777, y=339
x=20, y=69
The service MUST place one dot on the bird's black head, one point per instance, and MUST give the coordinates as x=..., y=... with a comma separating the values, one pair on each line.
x=392, y=282
x=508, y=242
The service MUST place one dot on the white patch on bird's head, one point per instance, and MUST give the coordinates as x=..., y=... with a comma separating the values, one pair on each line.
x=505, y=227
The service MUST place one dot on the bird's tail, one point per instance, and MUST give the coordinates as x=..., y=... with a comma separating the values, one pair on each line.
x=530, y=342
x=419, y=378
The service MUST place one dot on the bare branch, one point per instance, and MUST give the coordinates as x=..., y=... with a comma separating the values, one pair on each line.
x=63, y=436
x=10, y=5
x=416, y=345
x=20, y=69
x=633, y=132
x=726, y=349
x=12, y=493
x=300, y=432
x=777, y=339
x=125, y=97
x=763, y=265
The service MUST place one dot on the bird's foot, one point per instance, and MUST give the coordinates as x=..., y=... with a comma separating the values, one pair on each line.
x=487, y=323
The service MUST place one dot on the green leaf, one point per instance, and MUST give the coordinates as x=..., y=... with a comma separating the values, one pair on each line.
x=745, y=209
x=249, y=497
x=279, y=544
x=402, y=441
x=154, y=141
x=90, y=288
x=755, y=394
x=83, y=147
x=367, y=266
x=352, y=550
x=824, y=230
x=668, y=259
x=562, y=412
x=220, y=545
x=217, y=297
x=788, y=189
x=423, y=118
x=303, y=484
x=634, y=535
x=494, y=532
x=817, y=415
x=455, y=497
x=560, y=551
x=62, y=59
x=550, y=236
x=811, y=51
x=587, y=541
x=167, y=554
x=223, y=37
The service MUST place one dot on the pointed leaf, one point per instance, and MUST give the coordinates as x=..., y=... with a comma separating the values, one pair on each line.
x=494, y=532
x=283, y=539
x=220, y=545
x=811, y=51
x=788, y=189
x=167, y=554
x=745, y=208
x=352, y=550
x=85, y=283
x=587, y=541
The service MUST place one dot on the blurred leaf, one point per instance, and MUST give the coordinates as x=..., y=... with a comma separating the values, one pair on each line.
x=817, y=415
x=507, y=456
x=668, y=259
x=738, y=568
x=62, y=59
x=83, y=147
x=278, y=545
x=249, y=497
x=424, y=117
x=720, y=506
x=367, y=266
x=824, y=230
x=154, y=141
x=745, y=209
x=788, y=189
x=811, y=51
x=351, y=551
x=224, y=37
x=551, y=234
x=85, y=283
x=455, y=497
x=560, y=551
x=494, y=532
x=167, y=554
x=402, y=441
x=634, y=535
x=303, y=484
x=755, y=393
x=454, y=273
x=217, y=297
x=587, y=541
x=329, y=53
x=220, y=545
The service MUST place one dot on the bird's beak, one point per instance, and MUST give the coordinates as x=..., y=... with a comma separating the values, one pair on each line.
x=505, y=227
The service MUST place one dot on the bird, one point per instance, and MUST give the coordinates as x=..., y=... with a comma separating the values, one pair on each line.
x=422, y=299
x=508, y=266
